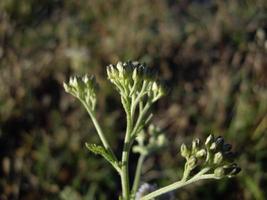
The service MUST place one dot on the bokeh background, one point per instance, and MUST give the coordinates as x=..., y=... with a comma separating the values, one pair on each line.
x=211, y=53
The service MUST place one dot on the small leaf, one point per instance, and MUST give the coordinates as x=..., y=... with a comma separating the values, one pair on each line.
x=100, y=150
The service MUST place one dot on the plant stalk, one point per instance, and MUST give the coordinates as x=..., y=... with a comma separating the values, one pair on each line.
x=125, y=154
x=99, y=130
x=138, y=174
x=177, y=185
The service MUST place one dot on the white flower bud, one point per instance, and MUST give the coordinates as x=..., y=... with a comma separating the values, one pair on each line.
x=213, y=146
x=120, y=69
x=218, y=158
x=192, y=162
x=219, y=172
x=134, y=76
x=209, y=140
x=195, y=145
x=184, y=151
x=67, y=87
x=155, y=87
x=201, y=153
x=161, y=140
x=73, y=81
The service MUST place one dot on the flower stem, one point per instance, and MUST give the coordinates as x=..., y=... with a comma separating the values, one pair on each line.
x=125, y=154
x=138, y=173
x=99, y=129
x=177, y=185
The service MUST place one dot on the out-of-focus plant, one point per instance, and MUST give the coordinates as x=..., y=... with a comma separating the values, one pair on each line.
x=139, y=89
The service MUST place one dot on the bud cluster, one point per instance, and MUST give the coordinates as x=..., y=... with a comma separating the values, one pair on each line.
x=153, y=141
x=214, y=154
x=133, y=79
x=83, y=88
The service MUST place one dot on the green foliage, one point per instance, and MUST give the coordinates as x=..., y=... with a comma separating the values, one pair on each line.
x=100, y=150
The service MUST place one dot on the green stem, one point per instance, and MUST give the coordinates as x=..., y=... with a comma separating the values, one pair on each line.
x=138, y=173
x=177, y=185
x=137, y=100
x=140, y=119
x=125, y=154
x=99, y=130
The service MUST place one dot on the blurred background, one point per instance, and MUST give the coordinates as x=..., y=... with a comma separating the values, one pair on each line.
x=211, y=53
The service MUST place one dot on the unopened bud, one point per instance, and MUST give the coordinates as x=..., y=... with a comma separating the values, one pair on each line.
x=213, y=146
x=209, y=140
x=134, y=76
x=184, y=151
x=219, y=172
x=201, y=153
x=161, y=140
x=67, y=87
x=192, y=162
x=218, y=158
x=195, y=144
x=155, y=87
x=120, y=67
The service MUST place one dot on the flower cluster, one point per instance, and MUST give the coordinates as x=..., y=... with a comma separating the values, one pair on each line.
x=134, y=80
x=151, y=142
x=83, y=88
x=215, y=156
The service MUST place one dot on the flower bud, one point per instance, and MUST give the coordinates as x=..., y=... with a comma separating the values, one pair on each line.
x=120, y=68
x=135, y=76
x=155, y=87
x=218, y=158
x=67, y=87
x=201, y=153
x=195, y=145
x=109, y=71
x=209, y=140
x=184, y=151
x=219, y=172
x=73, y=81
x=161, y=140
x=192, y=162
x=213, y=146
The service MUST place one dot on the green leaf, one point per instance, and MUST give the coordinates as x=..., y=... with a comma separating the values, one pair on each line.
x=100, y=150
